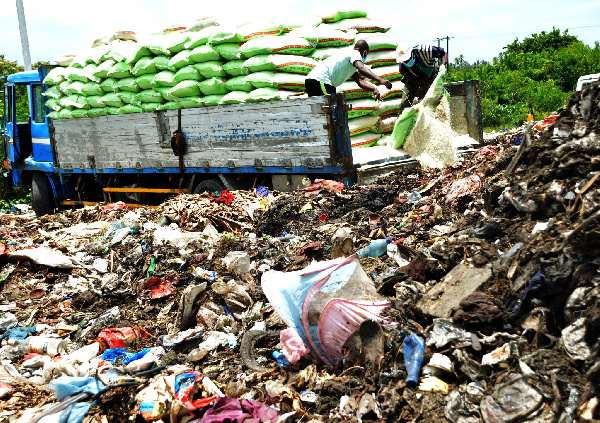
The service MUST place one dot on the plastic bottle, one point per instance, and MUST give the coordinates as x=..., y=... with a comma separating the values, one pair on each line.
x=376, y=248
x=413, y=197
x=41, y=345
x=414, y=351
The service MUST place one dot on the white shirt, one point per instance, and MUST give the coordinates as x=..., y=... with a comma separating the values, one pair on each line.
x=336, y=69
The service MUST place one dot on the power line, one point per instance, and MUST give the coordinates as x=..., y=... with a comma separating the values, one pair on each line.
x=518, y=33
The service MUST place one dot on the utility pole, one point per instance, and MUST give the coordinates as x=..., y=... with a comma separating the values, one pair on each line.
x=24, y=39
x=447, y=38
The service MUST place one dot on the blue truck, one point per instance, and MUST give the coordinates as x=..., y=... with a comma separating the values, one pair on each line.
x=145, y=157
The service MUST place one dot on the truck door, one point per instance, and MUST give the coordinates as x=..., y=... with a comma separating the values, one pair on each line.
x=17, y=132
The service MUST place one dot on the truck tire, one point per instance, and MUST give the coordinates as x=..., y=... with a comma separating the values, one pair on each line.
x=42, y=198
x=210, y=185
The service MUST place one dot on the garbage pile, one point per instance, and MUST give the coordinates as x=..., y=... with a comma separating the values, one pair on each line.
x=464, y=294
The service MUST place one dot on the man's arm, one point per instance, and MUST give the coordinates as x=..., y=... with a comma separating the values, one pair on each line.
x=362, y=69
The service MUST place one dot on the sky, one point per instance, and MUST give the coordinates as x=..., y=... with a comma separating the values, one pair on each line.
x=479, y=29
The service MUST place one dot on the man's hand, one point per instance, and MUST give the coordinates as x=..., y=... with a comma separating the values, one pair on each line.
x=376, y=94
x=388, y=84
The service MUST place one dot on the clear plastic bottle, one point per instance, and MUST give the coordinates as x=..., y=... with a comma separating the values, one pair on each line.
x=375, y=249
x=413, y=197
x=41, y=345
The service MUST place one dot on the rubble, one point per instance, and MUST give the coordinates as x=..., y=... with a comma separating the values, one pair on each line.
x=485, y=307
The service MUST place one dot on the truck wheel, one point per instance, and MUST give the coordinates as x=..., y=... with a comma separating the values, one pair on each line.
x=210, y=185
x=42, y=198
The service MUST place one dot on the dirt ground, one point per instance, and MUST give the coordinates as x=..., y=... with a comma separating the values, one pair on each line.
x=525, y=206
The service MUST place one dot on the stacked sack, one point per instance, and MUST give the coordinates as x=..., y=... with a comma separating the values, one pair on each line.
x=215, y=61
x=369, y=120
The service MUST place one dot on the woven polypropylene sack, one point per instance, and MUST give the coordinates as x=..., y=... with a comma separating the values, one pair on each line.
x=235, y=67
x=353, y=91
x=397, y=91
x=362, y=107
x=74, y=74
x=204, y=54
x=190, y=102
x=289, y=81
x=362, y=25
x=65, y=114
x=362, y=124
x=130, y=108
x=149, y=96
x=119, y=70
x=79, y=113
x=390, y=107
x=150, y=107
x=324, y=36
x=385, y=126
x=330, y=14
x=202, y=23
x=164, y=91
x=181, y=59
x=213, y=86
x=64, y=87
x=95, y=101
x=321, y=54
x=381, y=58
x=162, y=63
x=74, y=101
x=199, y=38
x=55, y=76
x=92, y=88
x=54, y=92
x=185, y=89
x=366, y=139
x=53, y=104
x=103, y=68
x=176, y=42
x=283, y=45
x=380, y=42
x=291, y=64
x=262, y=79
x=165, y=79
x=212, y=100
x=234, y=97
x=143, y=66
x=76, y=87
x=238, y=83
x=145, y=81
x=210, y=69
x=170, y=105
x=391, y=73
x=137, y=53
x=128, y=84
x=267, y=94
x=229, y=51
x=128, y=97
x=97, y=111
x=188, y=73
x=257, y=63
x=111, y=100
x=54, y=115
x=109, y=85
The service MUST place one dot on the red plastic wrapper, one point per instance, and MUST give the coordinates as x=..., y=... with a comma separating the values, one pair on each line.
x=162, y=287
x=186, y=386
x=222, y=197
x=117, y=337
x=119, y=205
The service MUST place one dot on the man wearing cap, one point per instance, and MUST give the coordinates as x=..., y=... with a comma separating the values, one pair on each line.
x=417, y=66
x=335, y=70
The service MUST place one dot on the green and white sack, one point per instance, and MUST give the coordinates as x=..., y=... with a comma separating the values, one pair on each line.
x=145, y=82
x=291, y=64
x=199, y=38
x=109, y=85
x=188, y=73
x=165, y=79
x=234, y=97
x=190, y=102
x=404, y=125
x=95, y=101
x=353, y=91
x=384, y=126
x=391, y=73
x=210, y=69
x=65, y=114
x=149, y=96
x=54, y=92
x=381, y=58
x=185, y=89
x=97, y=111
x=130, y=108
x=137, y=53
x=162, y=63
x=362, y=107
x=76, y=87
x=53, y=104
x=397, y=91
x=64, y=87
x=103, y=68
x=324, y=36
x=267, y=94
x=74, y=101
x=238, y=83
x=229, y=51
x=235, y=67
x=213, y=86
x=150, y=107
x=144, y=66
x=128, y=84
x=111, y=100
x=257, y=63
x=321, y=54
x=283, y=45
x=204, y=53
x=164, y=91
x=366, y=139
x=128, y=97
x=119, y=70
x=390, y=107
x=171, y=105
x=362, y=124
x=330, y=14
x=262, y=79
x=362, y=25
x=74, y=74
x=380, y=42
x=55, y=76
x=203, y=23
x=212, y=100
x=289, y=81
x=79, y=113
x=92, y=88
x=181, y=59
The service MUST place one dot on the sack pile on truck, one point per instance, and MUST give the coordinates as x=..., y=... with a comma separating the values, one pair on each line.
x=217, y=61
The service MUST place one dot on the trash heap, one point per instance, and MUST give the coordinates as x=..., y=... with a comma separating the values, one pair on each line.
x=483, y=305
x=217, y=61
